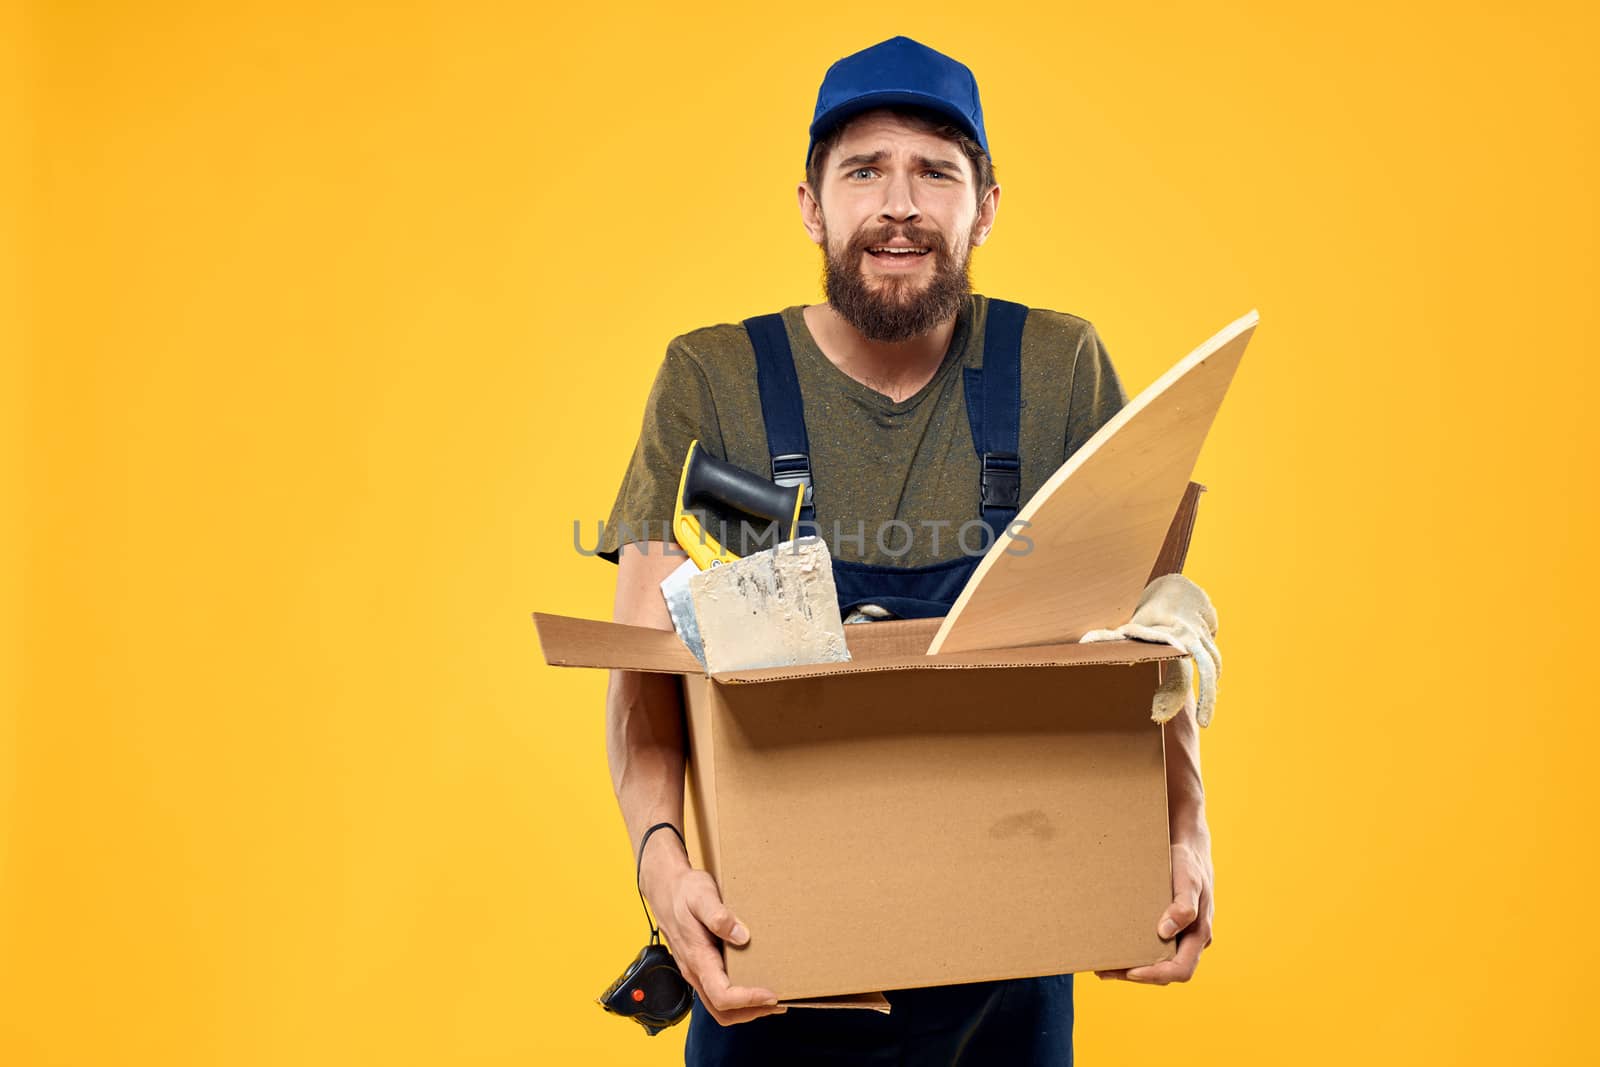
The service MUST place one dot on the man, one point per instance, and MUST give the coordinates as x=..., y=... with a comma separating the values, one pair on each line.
x=874, y=398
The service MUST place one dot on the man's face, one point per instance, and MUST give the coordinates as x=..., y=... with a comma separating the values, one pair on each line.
x=898, y=218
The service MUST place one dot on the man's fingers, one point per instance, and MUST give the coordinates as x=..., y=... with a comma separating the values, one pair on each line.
x=692, y=924
x=749, y=1014
x=698, y=960
x=701, y=963
x=719, y=994
x=1188, y=916
x=728, y=1004
x=1188, y=884
x=716, y=916
x=740, y=1015
x=1179, y=914
x=727, y=998
x=1180, y=968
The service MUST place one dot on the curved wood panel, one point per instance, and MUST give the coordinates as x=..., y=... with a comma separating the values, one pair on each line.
x=1096, y=528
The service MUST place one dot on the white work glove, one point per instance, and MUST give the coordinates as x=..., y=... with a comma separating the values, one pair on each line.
x=1174, y=611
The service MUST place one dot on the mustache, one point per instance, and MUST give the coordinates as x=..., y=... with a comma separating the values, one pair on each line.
x=932, y=240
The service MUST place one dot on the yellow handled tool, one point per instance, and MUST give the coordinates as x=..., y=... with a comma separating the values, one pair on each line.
x=709, y=480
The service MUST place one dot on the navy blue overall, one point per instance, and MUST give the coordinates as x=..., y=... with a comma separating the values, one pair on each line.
x=1023, y=1022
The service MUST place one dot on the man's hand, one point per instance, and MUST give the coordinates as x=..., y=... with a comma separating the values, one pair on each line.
x=1174, y=611
x=691, y=914
x=1188, y=916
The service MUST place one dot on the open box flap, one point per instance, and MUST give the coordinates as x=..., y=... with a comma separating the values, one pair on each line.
x=1105, y=652
x=876, y=646
x=570, y=642
x=862, y=1001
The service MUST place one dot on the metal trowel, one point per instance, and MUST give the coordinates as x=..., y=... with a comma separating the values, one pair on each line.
x=772, y=608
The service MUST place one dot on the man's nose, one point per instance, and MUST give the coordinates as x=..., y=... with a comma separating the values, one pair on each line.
x=899, y=201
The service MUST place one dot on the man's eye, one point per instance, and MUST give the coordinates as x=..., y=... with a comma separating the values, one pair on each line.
x=937, y=174
x=862, y=172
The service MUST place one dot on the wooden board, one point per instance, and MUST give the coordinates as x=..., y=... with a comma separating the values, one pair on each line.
x=1097, y=525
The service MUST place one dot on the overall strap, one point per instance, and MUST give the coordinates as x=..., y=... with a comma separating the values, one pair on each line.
x=781, y=406
x=994, y=409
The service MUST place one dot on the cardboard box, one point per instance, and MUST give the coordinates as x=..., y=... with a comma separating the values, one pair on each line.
x=904, y=820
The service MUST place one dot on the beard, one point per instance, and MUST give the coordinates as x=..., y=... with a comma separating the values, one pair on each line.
x=890, y=308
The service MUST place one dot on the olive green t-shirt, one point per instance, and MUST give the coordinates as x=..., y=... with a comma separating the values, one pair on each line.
x=873, y=460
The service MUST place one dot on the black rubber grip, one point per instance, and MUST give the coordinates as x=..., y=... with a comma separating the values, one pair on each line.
x=712, y=480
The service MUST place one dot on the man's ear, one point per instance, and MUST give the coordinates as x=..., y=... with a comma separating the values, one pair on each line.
x=988, y=208
x=811, y=214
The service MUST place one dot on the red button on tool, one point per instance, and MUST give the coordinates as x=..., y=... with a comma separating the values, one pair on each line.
x=638, y=995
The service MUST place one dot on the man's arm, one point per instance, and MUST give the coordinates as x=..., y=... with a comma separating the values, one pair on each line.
x=1192, y=876
x=645, y=740
x=645, y=745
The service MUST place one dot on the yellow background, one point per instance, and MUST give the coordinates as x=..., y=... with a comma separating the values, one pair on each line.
x=334, y=317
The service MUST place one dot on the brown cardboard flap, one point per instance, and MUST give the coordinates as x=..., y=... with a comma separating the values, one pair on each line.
x=890, y=637
x=868, y=1001
x=1104, y=652
x=1175, y=549
x=569, y=642
x=874, y=646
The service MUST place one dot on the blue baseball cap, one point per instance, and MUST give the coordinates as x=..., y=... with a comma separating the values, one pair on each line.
x=898, y=71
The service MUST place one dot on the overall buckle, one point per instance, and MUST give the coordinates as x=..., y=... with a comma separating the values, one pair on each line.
x=1001, y=480
x=793, y=468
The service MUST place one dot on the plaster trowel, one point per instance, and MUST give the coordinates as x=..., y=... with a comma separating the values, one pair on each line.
x=772, y=608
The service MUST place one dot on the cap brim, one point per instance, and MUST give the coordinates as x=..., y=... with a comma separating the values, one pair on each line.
x=841, y=113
